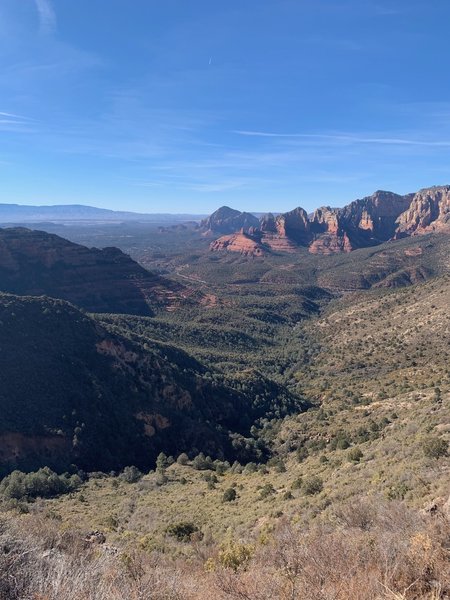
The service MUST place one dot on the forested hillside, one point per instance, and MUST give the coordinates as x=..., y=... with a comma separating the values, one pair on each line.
x=76, y=391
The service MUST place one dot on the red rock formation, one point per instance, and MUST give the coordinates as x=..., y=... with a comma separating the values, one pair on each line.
x=372, y=220
x=14, y=446
x=325, y=219
x=294, y=225
x=329, y=234
x=279, y=243
x=362, y=223
x=429, y=211
x=267, y=223
x=331, y=243
x=239, y=242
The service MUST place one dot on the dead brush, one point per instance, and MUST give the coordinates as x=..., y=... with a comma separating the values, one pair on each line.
x=385, y=553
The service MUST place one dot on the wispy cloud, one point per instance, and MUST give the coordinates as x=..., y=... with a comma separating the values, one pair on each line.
x=47, y=16
x=346, y=138
x=13, y=122
x=13, y=116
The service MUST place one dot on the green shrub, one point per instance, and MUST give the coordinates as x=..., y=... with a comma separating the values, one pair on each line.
x=162, y=462
x=161, y=478
x=277, y=464
x=434, y=447
x=312, y=485
x=302, y=454
x=266, y=490
x=182, y=531
x=232, y=555
x=236, y=467
x=44, y=483
x=297, y=483
x=183, y=459
x=202, y=462
x=130, y=474
x=397, y=491
x=342, y=444
x=229, y=495
x=354, y=454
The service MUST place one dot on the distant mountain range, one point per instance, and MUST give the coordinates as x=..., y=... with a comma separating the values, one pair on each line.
x=17, y=213
x=366, y=222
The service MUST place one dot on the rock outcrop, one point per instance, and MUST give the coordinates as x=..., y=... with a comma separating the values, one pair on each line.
x=241, y=242
x=429, y=210
x=294, y=225
x=279, y=243
x=35, y=263
x=329, y=234
x=227, y=220
x=272, y=235
x=331, y=243
x=325, y=220
x=372, y=220
x=366, y=222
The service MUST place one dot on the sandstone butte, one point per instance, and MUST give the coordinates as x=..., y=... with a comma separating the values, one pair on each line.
x=366, y=222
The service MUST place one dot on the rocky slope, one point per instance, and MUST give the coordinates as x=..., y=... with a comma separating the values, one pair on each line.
x=244, y=243
x=363, y=223
x=36, y=263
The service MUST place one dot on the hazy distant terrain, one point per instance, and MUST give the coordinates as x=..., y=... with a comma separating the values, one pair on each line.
x=16, y=213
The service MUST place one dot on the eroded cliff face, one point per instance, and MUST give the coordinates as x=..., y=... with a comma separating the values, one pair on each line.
x=429, y=210
x=294, y=225
x=273, y=234
x=36, y=263
x=366, y=222
x=325, y=220
x=241, y=242
x=373, y=218
x=328, y=231
x=331, y=243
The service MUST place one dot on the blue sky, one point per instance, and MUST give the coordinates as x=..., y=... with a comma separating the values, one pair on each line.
x=186, y=105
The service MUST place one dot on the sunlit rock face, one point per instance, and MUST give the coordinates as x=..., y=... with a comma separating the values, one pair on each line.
x=363, y=223
x=429, y=210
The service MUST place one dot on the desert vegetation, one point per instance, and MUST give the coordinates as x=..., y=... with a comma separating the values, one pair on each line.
x=367, y=551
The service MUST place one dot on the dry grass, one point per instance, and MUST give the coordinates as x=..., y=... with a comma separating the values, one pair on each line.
x=374, y=552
